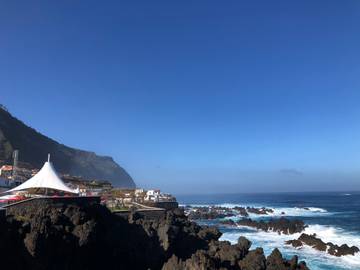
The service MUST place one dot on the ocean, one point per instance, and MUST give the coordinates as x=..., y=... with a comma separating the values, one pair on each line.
x=333, y=216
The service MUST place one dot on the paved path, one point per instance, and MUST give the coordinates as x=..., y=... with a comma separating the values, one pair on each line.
x=145, y=207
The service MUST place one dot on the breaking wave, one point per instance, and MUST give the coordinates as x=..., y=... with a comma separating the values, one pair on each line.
x=278, y=211
x=315, y=259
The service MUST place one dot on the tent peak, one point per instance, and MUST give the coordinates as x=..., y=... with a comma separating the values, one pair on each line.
x=46, y=178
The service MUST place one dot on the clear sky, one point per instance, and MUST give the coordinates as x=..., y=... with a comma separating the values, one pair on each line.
x=193, y=96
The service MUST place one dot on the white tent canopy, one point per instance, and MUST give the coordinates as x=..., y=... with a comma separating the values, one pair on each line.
x=46, y=178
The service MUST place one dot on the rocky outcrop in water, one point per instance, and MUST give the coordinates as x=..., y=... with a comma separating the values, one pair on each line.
x=219, y=254
x=281, y=225
x=222, y=255
x=241, y=211
x=212, y=212
x=90, y=237
x=275, y=261
x=318, y=244
x=228, y=222
x=218, y=212
x=259, y=211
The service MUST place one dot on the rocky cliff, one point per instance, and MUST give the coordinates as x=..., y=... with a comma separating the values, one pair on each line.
x=34, y=148
x=90, y=237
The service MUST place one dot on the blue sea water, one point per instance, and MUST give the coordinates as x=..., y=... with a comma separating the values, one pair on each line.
x=333, y=216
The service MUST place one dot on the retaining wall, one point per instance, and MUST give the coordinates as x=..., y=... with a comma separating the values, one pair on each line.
x=164, y=205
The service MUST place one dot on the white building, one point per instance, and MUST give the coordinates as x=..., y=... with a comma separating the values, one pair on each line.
x=152, y=195
x=139, y=191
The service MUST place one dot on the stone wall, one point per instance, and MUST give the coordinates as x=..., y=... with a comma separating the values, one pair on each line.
x=164, y=205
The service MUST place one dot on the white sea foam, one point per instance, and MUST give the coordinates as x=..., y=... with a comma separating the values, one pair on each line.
x=278, y=211
x=316, y=259
x=333, y=234
x=299, y=211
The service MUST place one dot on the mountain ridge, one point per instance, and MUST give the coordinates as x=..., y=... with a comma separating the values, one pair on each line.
x=34, y=147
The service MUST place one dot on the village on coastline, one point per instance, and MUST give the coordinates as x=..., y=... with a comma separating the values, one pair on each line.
x=144, y=230
x=20, y=181
x=24, y=188
x=58, y=221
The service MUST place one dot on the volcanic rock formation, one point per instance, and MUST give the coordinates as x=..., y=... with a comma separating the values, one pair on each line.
x=318, y=244
x=91, y=237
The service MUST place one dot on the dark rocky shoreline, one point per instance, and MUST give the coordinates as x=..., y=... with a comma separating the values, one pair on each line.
x=281, y=225
x=216, y=212
x=286, y=226
x=318, y=244
x=90, y=237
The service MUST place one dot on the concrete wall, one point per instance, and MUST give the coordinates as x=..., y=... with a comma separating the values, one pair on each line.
x=164, y=205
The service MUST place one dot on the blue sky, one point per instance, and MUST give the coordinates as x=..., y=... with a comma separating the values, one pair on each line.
x=193, y=96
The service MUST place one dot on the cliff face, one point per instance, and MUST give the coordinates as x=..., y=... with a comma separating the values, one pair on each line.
x=34, y=148
x=90, y=237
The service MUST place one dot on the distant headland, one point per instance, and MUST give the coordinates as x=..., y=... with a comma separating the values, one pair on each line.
x=34, y=146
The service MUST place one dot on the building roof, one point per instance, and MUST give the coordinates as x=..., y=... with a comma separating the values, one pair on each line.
x=45, y=178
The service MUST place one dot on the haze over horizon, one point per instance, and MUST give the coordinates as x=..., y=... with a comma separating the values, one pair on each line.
x=192, y=97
